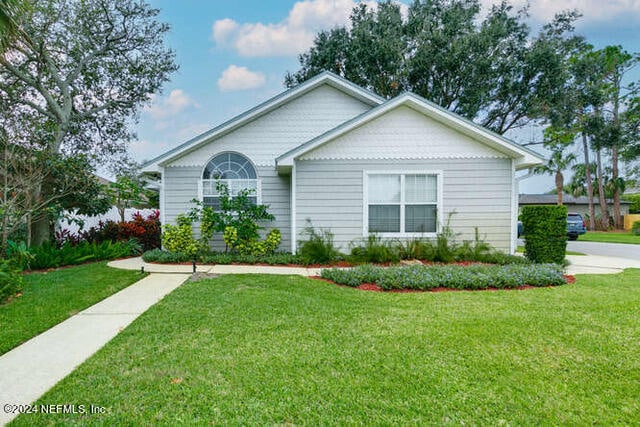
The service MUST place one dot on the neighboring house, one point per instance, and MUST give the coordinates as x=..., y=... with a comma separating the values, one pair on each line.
x=340, y=156
x=574, y=204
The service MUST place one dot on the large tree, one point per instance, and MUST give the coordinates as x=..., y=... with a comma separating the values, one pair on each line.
x=81, y=76
x=487, y=69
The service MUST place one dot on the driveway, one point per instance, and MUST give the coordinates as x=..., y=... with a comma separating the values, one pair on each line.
x=618, y=250
x=614, y=250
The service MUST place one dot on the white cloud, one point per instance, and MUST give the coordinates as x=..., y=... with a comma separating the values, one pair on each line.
x=164, y=108
x=592, y=10
x=292, y=35
x=240, y=78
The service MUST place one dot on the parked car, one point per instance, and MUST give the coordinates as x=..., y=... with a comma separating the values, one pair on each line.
x=575, y=226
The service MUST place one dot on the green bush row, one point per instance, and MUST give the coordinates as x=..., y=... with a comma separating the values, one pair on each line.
x=166, y=257
x=51, y=256
x=319, y=249
x=419, y=277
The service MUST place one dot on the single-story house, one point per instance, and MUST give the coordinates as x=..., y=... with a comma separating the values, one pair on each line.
x=574, y=204
x=332, y=153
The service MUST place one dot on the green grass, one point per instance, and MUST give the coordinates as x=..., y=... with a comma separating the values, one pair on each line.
x=520, y=250
x=51, y=297
x=289, y=350
x=610, y=237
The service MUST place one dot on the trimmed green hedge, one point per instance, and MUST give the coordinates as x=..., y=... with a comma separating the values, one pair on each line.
x=545, y=233
x=421, y=277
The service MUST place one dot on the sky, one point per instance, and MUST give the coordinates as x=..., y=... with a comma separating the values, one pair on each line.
x=234, y=55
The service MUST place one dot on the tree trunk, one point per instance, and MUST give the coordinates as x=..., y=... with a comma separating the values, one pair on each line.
x=559, y=186
x=601, y=196
x=616, y=188
x=40, y=229
x=587, y=171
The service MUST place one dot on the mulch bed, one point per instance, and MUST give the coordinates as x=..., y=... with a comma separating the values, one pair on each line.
x=372, y=287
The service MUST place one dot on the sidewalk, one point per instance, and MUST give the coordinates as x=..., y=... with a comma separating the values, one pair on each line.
x=137, y=263
x=29, y=370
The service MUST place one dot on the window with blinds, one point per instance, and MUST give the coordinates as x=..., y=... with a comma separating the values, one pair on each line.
x=402, y=203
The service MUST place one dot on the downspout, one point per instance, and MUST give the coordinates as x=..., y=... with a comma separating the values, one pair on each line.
x=294, y=233
x=162, y=197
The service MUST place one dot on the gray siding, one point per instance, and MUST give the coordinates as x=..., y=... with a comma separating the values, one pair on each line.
x=330, y=194
x=181, y=186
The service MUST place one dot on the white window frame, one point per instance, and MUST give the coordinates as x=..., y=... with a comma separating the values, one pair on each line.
x=402, y=173
x=226, y=181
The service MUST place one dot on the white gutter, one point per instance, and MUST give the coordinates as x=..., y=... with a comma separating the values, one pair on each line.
x=293, y=209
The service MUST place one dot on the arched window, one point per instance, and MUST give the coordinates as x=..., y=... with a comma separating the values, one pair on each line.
x=233, y=170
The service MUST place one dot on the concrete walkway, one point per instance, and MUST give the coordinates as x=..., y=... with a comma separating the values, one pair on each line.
x=595, y=264
x=137, y=263
x=580, y=264
x=29, y=370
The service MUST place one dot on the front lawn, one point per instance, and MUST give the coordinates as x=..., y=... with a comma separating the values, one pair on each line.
x=289, y=350
x=48, y=298
x=610, y=237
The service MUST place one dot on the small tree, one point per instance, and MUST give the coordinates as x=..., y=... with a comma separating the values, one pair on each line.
x=237, y=211
x=128, y=192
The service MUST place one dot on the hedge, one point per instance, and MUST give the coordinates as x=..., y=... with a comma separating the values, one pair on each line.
x=545, y=233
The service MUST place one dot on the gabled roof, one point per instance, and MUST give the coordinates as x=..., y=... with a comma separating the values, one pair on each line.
x=277, y=101
x=524, y=157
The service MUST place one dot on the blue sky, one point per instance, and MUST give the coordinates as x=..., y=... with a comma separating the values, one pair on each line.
x=234, y=54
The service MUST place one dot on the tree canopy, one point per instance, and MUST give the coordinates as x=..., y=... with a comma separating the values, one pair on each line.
x=488, y=69
x=74, y=76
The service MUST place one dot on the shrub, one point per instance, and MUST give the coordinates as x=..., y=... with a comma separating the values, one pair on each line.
x=50, y=256
x=145, y=230
x=421, y=249
x=634, y=208
x=545, y=233
x=179, y=238
x=238, y=211
x=635, y=228
x=165, y=257
x=19, y=255
x=10, y=280
x=319, y=247
x=374, y=249
x=254, y=247
x=449, y=276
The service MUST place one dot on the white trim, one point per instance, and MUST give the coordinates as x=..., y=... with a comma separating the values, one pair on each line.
x=294, y=231
x=515, y=185
x=258, y=189
x=163, y=197
x=365, y=201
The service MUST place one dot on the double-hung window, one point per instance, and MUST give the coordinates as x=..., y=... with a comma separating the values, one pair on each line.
x=235, y=172
x=398, y=204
